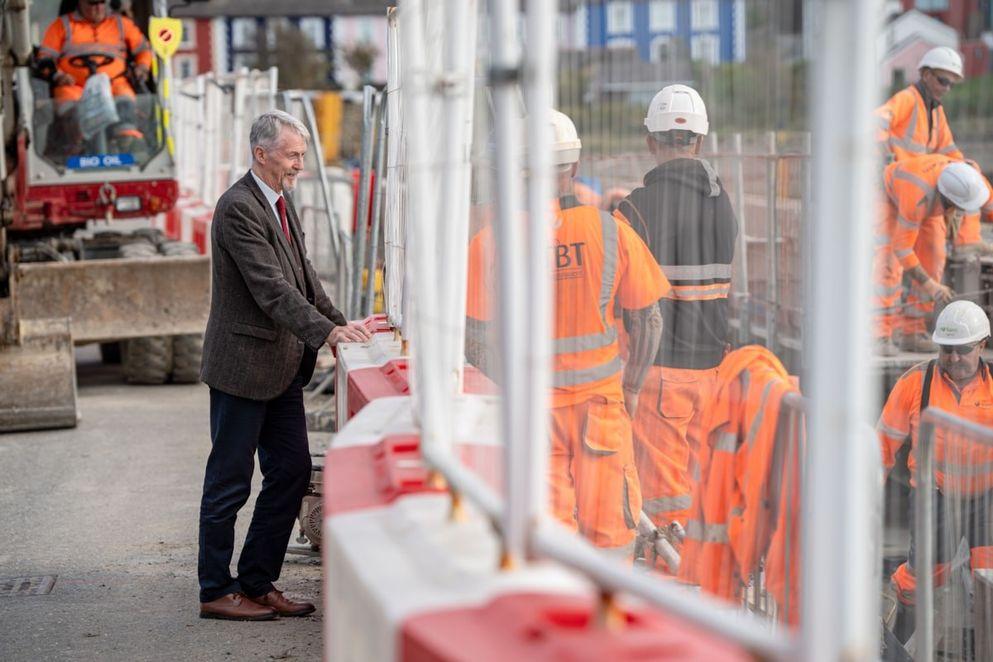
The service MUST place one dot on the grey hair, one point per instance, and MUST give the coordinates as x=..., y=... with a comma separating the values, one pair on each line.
x=266, y=128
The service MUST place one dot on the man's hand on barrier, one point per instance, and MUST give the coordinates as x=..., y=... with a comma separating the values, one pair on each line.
x=351, y=332
x=62, y=78
x=141, y=72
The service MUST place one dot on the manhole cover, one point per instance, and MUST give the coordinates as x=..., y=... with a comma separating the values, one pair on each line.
x=17, y=586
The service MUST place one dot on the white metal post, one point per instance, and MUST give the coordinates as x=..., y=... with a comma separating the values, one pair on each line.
x=457, y=89
x=527, y=493
x=504, y=78
x=840, y=599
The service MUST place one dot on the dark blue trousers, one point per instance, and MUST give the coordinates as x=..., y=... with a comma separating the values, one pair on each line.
x=239, y=427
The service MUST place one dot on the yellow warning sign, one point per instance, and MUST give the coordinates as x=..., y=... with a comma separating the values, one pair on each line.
x=165, y=35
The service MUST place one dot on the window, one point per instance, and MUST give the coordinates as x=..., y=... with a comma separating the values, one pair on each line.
x=621, y=42
x=313, y=27
x=931, y=5
x=620, y=17
x=706, y=47
x=662, y=16
x=243, y=33
x=186, y=66
x=661, y=50
x=189, y=40
x=704, y=15
x=240, y=60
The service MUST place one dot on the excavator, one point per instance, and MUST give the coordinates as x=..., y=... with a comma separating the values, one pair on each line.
x=68, y=275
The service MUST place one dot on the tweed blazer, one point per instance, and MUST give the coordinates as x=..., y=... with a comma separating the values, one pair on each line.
x=266, y=304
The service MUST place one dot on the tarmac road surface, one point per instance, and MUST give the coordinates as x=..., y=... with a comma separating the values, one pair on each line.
x=111, y=509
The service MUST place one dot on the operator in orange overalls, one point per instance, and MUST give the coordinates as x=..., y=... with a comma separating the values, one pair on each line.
x=684, y=215
x=958, y=382
x=598, y=262
x=91, y=35
x=912, y=122
x=926, y=199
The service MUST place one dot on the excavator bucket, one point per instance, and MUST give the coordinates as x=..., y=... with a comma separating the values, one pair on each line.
x=38, y=378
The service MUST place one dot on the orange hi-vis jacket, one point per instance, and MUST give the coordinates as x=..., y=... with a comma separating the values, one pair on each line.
x=960, y=467
x=745, y=501
x=597, y=261
x=907, y=130
x=911, y=189
x=116, y=36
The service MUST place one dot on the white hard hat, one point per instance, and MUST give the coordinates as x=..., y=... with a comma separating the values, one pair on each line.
x=964, y=186
x=961, y=323
x=943, y=57
x=677, y=107
x=565, y=139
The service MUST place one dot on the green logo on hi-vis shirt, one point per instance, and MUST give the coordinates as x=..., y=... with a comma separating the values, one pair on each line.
x=569, y=256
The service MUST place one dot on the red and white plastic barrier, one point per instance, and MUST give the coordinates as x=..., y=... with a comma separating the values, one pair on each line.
x=406, y=581
x=189, y=221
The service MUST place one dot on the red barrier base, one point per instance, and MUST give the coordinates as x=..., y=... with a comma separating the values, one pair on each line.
x=555, y=628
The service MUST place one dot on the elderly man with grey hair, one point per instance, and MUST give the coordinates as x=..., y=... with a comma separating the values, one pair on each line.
x=269, y=316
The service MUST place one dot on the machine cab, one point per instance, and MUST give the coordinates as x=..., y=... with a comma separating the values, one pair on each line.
x=94, y=153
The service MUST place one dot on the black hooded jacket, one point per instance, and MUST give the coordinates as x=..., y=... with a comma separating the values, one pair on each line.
x=684, y=215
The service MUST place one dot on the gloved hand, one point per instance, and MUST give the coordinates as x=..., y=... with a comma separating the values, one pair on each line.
x=62, y=78
x=141, y=72
x=941, y=294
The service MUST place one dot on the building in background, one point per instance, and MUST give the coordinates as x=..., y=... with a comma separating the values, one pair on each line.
x=971, y=20
x=712, y=31
x=224, y=35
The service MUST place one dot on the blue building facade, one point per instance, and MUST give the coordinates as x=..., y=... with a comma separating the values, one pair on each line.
x=713, y=30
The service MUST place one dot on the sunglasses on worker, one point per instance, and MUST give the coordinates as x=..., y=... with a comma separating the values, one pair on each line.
x=944, y=82
x=961, y=350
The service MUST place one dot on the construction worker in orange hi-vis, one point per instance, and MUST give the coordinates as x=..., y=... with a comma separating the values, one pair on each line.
x=912, y=121
x=684, y=215
x=598, y=262
x=925, y=202
x=94, y=40
x=958, y=382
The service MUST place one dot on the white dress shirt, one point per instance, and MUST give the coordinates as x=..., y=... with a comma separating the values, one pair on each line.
x=271, y=196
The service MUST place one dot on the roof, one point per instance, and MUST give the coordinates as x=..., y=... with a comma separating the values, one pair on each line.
x=213, y=8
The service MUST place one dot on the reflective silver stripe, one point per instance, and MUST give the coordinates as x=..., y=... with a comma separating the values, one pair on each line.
x=891, y=432
x=908, y=135
x=905, y=222
x=973, y=469
x=91, y=49
x=715, y=188
x=757, y=421
x=949, y=149
x=706, y=532
x=142, y=48
x=696, y=271
x=608, y=230
x=915, y=180
x=727, y=442
x=120, y=33
x=574, y=377
x=67, y=28
x=908, y=145
x=585, y=343
x=903, y=253
x=718, y=289
x=666, y=504
x=46, y=49
x=886, y=290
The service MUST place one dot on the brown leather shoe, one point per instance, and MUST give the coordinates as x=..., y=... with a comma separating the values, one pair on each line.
x=236, y=607
x=283, y=605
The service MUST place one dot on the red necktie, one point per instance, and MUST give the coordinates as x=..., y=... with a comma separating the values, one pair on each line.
x=281, y=207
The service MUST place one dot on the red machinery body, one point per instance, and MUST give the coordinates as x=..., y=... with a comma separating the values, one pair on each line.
x=50, y=206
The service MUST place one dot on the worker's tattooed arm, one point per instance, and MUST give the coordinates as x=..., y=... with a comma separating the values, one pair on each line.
x=645, y=330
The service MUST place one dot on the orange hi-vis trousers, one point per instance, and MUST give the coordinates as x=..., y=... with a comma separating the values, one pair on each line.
x=593, y=481
x=667, y=437
x=917, y=306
